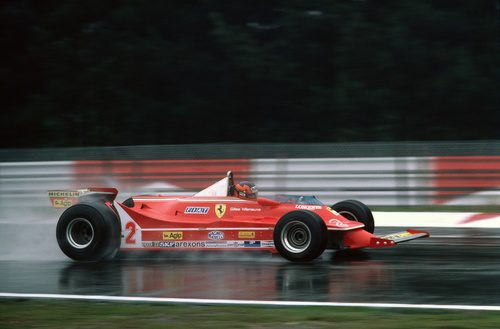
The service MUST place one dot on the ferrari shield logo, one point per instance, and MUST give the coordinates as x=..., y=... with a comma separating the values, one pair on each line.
x=220, y=210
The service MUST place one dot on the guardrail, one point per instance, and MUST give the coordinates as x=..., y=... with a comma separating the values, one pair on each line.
x=374, y=180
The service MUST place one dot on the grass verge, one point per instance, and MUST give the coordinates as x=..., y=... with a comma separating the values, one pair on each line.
x=83, y=314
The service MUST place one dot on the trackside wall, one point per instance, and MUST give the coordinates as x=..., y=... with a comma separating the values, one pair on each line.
x=461, y=180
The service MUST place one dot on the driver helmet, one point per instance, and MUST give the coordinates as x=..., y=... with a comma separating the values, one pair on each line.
x=245, y=190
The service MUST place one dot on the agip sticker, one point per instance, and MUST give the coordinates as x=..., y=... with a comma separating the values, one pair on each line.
x=172, y=235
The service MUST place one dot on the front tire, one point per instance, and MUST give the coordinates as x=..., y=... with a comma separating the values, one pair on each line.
x=300, y=236
x=356, y=211
x=89, y=232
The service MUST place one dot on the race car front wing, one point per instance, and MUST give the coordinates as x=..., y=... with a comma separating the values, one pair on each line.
x=360, y=238
x=395, y=238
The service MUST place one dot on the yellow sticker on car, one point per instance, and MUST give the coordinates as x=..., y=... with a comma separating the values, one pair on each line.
x=172, y=235
x=397, y=235
x=246, y=235
x=62, y=202
x=220, y=210
x=332, y=211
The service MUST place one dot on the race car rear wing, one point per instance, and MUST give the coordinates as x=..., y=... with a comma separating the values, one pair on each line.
x=67, y=198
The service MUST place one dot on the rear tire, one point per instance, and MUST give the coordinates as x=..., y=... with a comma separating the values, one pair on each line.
x=89, y=232
x=300, y=236
x=356, y=211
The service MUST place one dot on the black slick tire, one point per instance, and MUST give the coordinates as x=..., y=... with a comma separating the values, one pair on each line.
x=356, y=211
x=300, y=236
x=89, y=232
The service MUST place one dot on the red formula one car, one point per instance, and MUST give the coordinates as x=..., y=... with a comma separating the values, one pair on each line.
x=224, y=216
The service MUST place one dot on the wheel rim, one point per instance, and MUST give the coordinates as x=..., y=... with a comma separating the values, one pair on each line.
x=349, y=215
x=80, y=233
x=296, y=236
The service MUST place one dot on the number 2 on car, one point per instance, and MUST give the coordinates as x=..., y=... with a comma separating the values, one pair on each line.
x=130, y=236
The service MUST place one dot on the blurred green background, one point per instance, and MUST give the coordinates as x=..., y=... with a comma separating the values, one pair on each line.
x=81, y=73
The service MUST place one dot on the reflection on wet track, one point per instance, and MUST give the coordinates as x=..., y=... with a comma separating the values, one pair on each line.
x=411, y=273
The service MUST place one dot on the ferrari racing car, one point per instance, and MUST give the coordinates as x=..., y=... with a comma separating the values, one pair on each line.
x=224, y=216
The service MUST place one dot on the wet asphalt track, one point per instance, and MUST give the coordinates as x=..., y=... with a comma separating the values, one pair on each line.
x=462, y=267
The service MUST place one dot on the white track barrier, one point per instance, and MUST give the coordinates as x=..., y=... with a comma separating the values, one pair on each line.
x=437, y=219
x=391, y=181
